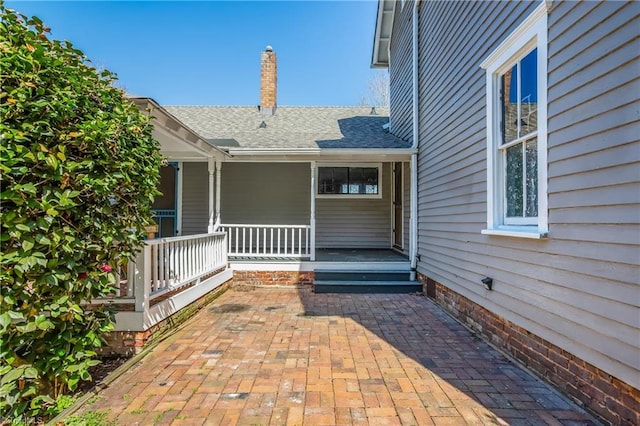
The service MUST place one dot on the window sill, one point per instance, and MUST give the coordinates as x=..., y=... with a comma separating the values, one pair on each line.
x=517, y=232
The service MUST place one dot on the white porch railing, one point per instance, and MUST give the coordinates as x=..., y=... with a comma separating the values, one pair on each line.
x=179, y=261
x=181, y=268
x=280, y=241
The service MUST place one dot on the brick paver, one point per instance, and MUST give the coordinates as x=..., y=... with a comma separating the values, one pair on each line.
x=277, y=356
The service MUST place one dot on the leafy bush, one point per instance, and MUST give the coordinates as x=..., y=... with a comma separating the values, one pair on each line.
x=79, y=170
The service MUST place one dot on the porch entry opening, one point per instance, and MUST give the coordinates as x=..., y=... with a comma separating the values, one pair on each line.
x=165, y=205
x=397, y=205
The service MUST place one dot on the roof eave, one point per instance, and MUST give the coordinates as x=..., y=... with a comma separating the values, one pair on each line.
x=237, y=152
x=382, y=35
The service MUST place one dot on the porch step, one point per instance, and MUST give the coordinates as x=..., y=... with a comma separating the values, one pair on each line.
x=361, y=275
x=387, y=286
x=364, y=281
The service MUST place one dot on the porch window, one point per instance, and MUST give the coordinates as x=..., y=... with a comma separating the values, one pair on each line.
x=345, y=181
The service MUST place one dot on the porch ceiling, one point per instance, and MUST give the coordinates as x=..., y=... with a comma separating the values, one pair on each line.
x=173, y=146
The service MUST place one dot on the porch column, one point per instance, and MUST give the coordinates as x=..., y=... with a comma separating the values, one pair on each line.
x=218, y=181
x=211, y=167
x=312, y=219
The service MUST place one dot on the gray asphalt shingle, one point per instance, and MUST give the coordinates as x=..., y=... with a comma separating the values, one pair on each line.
x=291, y=127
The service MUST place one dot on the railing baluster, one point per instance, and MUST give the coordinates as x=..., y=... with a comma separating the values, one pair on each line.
x=196, y=258
x=183, y=260
x=175, y=262
x=161, y=264
x=200, y=255
x=208, y=255
x=186, y=271
x=191, y=257
x=236, y=242
x=154, y=268
x=290, y=241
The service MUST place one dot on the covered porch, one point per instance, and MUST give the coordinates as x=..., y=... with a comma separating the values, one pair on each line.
x=296, y=210
x=273, y=216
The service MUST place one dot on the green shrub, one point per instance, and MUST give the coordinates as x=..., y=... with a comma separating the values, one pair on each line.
x=78, y=173
x=91, y=418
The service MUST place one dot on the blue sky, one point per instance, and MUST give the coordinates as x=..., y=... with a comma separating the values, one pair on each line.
x=208, y=52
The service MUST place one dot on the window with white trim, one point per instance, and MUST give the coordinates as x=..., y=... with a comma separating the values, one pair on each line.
x=342, y=181
x=516, y=78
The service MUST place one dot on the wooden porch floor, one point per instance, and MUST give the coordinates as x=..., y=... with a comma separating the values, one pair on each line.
x=335, y=255
x=359, y=255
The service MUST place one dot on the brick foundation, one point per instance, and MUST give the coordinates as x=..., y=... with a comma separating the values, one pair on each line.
x=284, y=278
x=599, y=392
x=129, y=343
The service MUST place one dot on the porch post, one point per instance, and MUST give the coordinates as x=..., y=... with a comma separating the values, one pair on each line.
x=218, y=181
x=141, y=280
x=211, y=168
x=312, y=219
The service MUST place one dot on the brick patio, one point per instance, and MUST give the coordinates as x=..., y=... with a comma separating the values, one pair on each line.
x=259, y=356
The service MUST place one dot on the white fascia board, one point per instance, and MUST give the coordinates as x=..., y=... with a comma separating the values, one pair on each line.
x=363, y=152
x=379, y=155
x=360, y=152
x=273, y=151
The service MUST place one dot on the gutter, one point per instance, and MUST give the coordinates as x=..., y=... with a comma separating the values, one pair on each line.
x=319, y=151
x=413, y=200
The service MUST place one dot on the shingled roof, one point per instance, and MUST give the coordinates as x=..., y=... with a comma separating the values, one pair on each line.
x=244, y=127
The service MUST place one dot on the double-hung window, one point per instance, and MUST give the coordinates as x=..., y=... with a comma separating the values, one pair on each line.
x=516, y=75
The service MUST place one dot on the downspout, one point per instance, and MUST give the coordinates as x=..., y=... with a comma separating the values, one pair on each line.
x=413, y=201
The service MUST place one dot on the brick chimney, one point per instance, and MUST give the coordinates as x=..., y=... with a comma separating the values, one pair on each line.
x=268, y=81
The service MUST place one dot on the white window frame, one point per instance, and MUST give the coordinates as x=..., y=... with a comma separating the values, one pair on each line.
x=350, y=196
x=530, y=34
